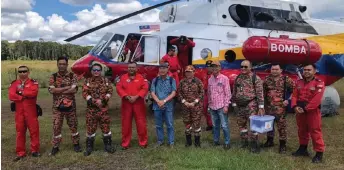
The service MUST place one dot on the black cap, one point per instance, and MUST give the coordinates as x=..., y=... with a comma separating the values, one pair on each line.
x=208, y=63
x=164, y=64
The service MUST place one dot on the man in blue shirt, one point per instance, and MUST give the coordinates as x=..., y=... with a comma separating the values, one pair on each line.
x=163, y=90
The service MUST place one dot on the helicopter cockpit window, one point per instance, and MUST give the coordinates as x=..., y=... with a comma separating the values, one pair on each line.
x=270, y=19
x=114, y=46
x=96, y=49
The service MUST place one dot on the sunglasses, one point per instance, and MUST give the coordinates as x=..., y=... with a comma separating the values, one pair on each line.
x=96, y=70
x=23, y=71
x=244, y=66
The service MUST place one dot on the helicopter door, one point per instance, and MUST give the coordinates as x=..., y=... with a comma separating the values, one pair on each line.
x=205, y=49
x=147, y=52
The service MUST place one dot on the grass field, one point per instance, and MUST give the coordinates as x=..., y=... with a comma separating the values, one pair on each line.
x=207, y=157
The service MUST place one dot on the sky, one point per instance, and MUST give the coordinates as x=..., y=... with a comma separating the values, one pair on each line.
x=56, y=20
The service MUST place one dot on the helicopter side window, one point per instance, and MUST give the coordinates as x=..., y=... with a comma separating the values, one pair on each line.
x=147, y=51
x=114, y=46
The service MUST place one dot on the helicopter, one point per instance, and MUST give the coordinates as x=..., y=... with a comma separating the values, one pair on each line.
x=230, y=31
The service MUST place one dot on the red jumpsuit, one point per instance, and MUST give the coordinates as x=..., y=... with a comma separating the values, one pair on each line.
x=26, y=113
x=132, y=87
x=205, y=78
x=309, y=122
x=183, y=51
x=131, y=45
x=174, y=66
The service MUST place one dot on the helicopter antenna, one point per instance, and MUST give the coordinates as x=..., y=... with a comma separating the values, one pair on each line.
x=118, y=19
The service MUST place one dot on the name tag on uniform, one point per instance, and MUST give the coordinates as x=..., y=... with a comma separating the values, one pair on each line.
x=136, y=80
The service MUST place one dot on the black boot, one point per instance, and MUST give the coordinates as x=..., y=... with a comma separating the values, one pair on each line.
x=255, y=147
x=77, y=148
x=188, y=141
x=318, y=157
x=283, y=147
x=302, y=151
x=244, y=143
x=269, y=142
x=107, y=144
x=54, y=151
x=89, y=146
x=198, y=141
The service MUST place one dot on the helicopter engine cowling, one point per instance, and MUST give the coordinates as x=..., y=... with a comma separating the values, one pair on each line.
x=281, y=50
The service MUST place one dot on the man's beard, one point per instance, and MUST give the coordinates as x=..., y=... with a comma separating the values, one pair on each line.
x=132, y=73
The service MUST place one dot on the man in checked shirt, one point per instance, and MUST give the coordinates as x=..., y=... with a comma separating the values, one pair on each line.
x=219, y=95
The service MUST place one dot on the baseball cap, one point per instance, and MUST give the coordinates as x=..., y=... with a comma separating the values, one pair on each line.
x=189, y=68
x=164, y=64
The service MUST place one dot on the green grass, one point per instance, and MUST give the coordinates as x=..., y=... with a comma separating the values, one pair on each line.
x=39, y=70
x=207, y=157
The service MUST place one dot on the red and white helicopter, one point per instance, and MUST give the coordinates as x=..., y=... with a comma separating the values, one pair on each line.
x=263, y=31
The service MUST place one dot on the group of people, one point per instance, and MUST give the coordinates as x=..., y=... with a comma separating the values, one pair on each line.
x=250, y=96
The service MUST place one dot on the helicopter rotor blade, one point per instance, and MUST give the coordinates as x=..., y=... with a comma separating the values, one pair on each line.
x=118, y=19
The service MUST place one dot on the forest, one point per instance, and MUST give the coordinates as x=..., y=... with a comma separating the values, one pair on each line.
x=40, y=50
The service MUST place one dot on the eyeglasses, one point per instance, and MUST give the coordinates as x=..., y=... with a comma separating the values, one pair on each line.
x=244, y=66
x=22, y=71
x=96, y=70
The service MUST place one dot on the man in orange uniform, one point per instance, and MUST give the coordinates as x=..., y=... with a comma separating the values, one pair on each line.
x=305, y=101
x=173, y=63
x=132, y=88
x=131, y=45
x=23, y=93
x=184, y=45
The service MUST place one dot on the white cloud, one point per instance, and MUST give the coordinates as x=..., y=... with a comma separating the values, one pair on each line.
x=88, y=2
x=18, y=6
x=123, y=8
x=32, y=26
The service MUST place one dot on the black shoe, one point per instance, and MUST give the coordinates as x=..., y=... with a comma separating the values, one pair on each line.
x=302, y=151
x=125, y=148
x=269, y=142
x=244, y=143
x=89, y=146
x=317, y=158
x=77, y=148
x=54, y=151
x=216, y=143
x=209, y=128
x=226, y=146
x=198, y=141
x=18, y=158
x=35, y=154
x=254, y=147
x=108, y=145
x=283, y=147
x=188, y=141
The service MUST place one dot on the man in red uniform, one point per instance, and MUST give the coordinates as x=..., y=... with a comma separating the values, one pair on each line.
x=173, y=63
x=205, y=79
x=130, y=45
x=132, y=88
x=184, y=45
x=305, y=101
x=23, y=93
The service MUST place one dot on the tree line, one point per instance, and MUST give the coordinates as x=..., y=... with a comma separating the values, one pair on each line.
x=40, y=50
